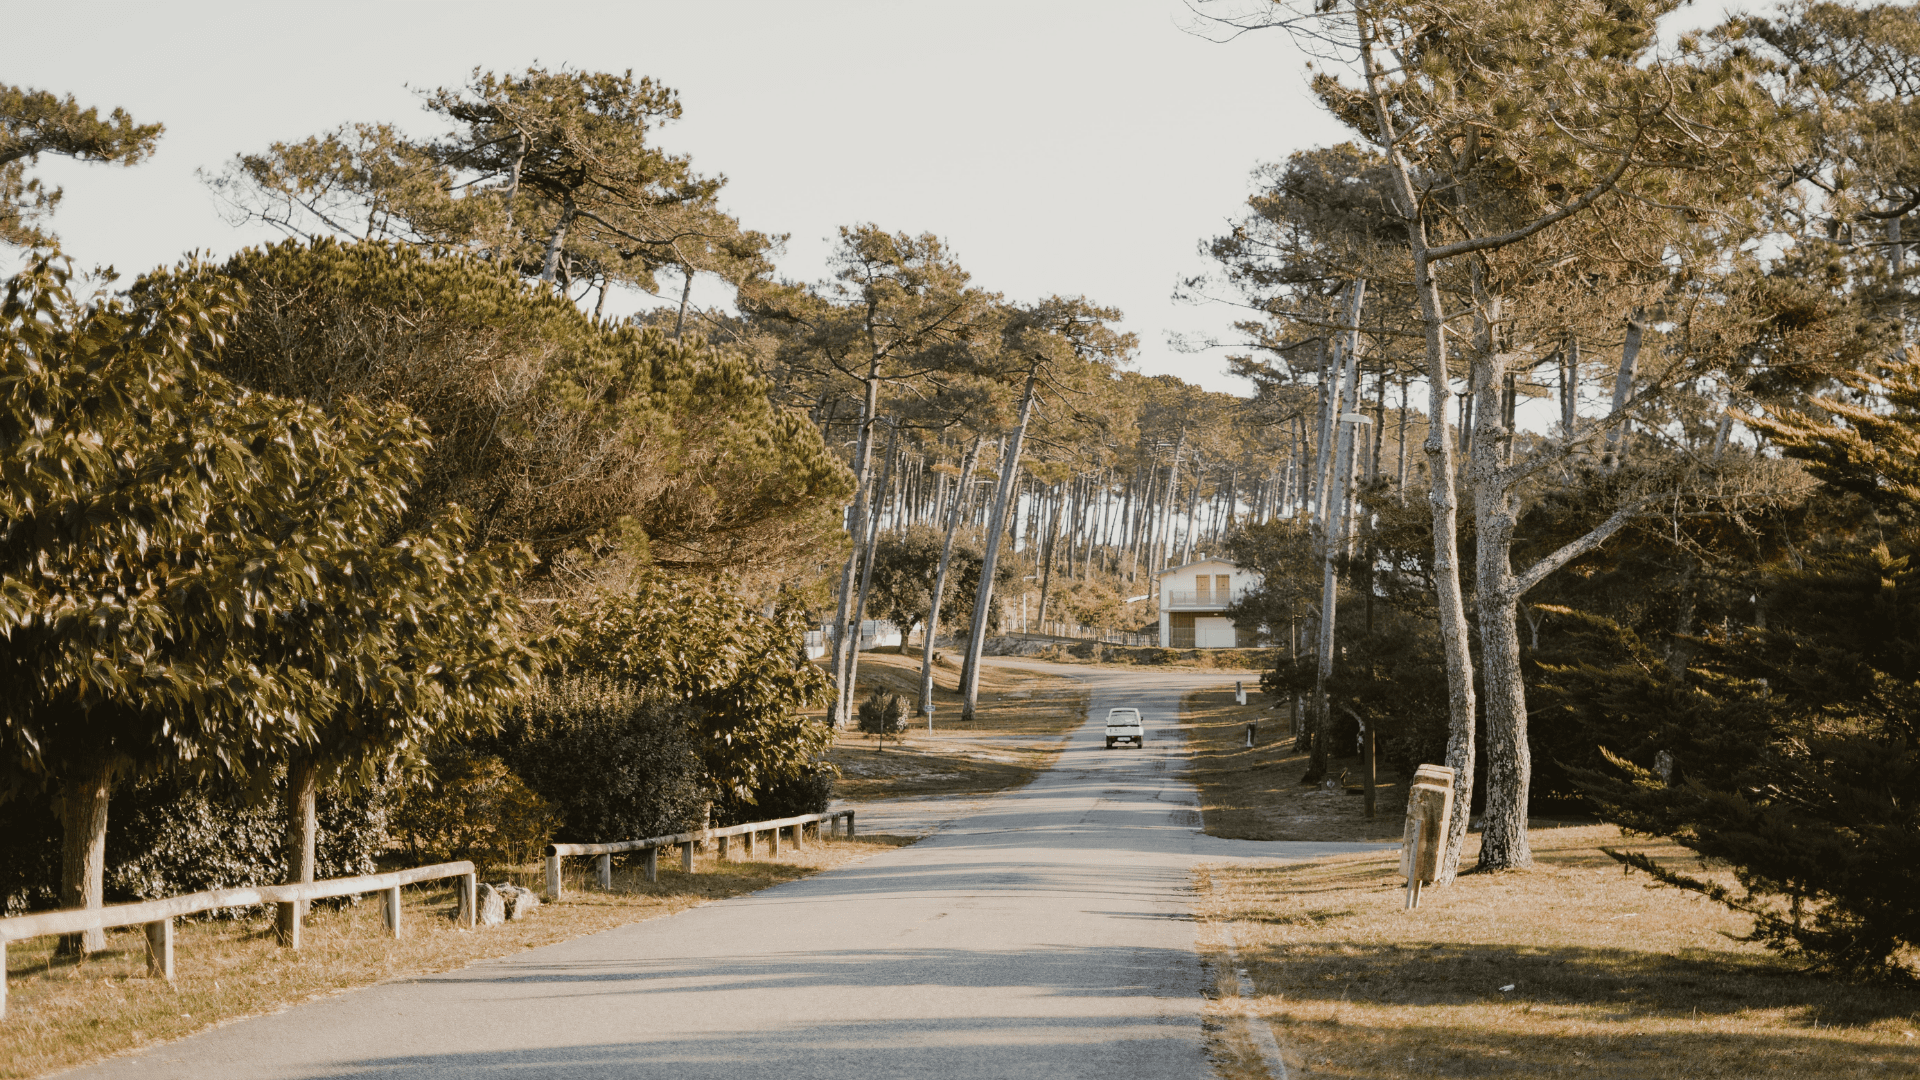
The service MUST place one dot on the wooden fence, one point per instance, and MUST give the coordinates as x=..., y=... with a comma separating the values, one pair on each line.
x=1078, y=632
x=603, y=876
x=158, y=915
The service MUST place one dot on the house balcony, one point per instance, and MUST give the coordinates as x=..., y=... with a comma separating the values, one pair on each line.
x=1172, y=600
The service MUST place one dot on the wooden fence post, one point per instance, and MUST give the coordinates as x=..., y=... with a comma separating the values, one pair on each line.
x=723, y=849
x=393, y=911
x=686, y=857
x=748, y=835
x=160, y=949
x=653, y=864
x=849, y=824
x=773, y=843
x=554, y=884
x=603, y=873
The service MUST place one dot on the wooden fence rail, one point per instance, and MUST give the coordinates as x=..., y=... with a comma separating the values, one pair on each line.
x=603, y=875
x=158, y=915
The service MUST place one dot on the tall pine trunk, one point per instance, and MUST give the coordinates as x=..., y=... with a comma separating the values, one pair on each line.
x=1441, y=495
x=856, y=532
x=871, y=543
x=990, y=558
x=940, y=578
x=1344, y=369
x=556, y=240
x=1496, y=513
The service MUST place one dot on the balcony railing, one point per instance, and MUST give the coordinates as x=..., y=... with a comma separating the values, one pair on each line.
x=1215, y=599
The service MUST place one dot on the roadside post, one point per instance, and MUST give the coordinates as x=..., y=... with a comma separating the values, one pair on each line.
x=1239, y=692
x=1429, y=810
x=1368, y=768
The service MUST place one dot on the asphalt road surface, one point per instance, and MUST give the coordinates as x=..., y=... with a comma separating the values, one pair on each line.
x=1045, y=934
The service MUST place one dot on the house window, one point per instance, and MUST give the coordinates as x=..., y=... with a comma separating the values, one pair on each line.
x=1203, y=589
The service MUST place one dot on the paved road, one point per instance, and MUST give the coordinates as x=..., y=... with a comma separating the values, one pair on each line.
x=1045, y=934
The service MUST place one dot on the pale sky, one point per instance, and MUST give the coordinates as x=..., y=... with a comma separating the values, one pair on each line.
x=1059, y=146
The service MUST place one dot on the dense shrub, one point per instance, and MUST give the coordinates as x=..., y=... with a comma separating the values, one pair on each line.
x=741, y=676
x=612, y=763
x=171, y=835
x=883, y=713
x=810, y=793
x=476, y=808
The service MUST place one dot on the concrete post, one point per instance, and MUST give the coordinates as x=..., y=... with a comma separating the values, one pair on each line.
x=1429, y=810
x=686, y=857
x=392, y=912
x=603, y=872
x=554, y=885
x=287, y=925
x=160, y=949
x=469, y=912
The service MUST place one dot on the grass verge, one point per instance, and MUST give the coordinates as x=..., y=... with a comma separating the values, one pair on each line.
x=62, y=1013
x=1571, y=969
x=1022, y=719
x=1254, y=793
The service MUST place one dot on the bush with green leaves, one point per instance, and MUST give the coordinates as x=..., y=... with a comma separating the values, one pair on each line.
x=613, y=763
x=741, y=675
x=809, y=793
x=883, y=714
x=475, y=808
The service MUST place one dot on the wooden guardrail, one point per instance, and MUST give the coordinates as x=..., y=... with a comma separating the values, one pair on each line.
x=158, y=915
x=603, y=875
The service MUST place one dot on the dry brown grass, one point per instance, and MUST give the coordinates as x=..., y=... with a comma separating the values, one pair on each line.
x=1255, y=794
x=1023, y=719
x=62, y=1014
x=1609, y=976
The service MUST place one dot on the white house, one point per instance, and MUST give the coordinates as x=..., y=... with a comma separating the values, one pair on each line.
x=1192, y=600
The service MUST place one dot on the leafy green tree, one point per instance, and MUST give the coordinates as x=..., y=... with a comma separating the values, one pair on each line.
x=201, y=578
x=906, y=570
x=35, y=122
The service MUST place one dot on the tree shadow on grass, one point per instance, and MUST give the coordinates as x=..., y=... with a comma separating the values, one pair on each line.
x=1634, y=981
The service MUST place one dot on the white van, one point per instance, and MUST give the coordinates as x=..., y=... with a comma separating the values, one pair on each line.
x=1123, y=725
